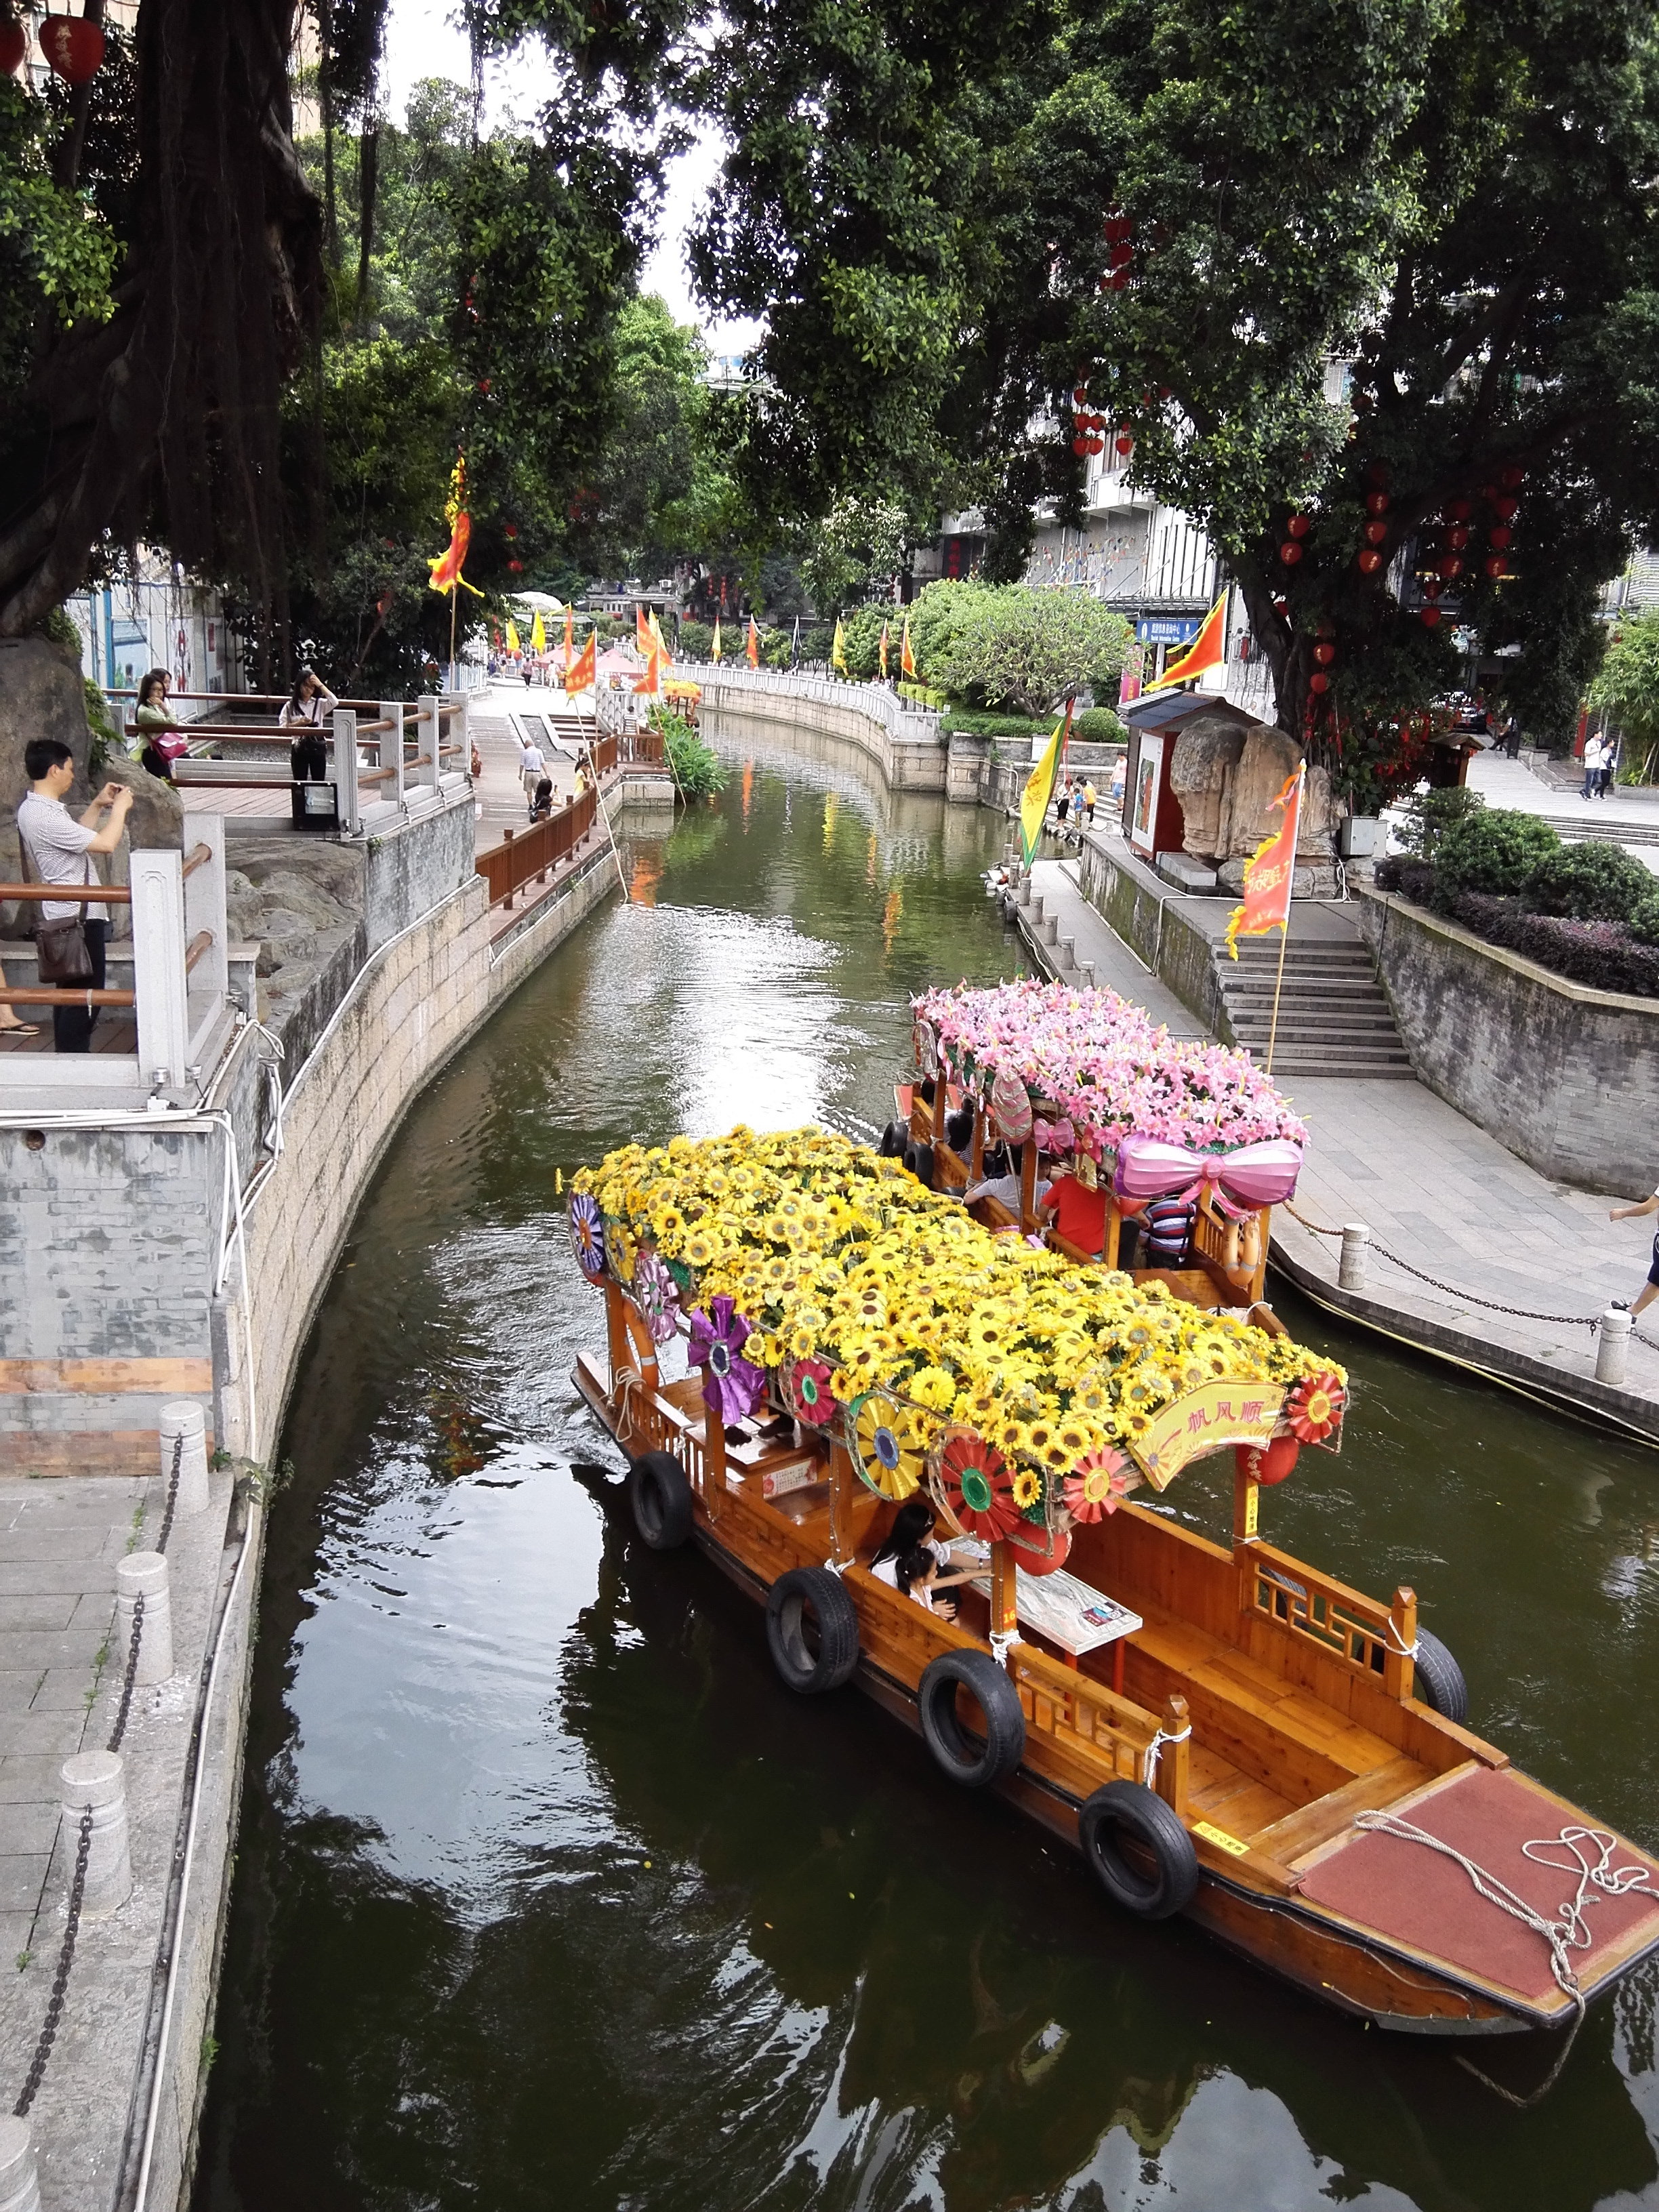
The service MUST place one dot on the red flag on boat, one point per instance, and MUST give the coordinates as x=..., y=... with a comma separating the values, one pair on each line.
x=1268, y=872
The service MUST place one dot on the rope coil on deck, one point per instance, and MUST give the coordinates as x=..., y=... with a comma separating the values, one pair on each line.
x=1568, y=1932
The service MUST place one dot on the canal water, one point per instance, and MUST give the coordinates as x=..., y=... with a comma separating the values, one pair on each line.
x=549, y=1895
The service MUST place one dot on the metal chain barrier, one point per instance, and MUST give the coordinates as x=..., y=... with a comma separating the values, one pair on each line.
x=1469, y=1297
x=36, y=2071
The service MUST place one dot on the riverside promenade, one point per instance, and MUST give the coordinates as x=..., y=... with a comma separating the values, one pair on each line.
x=1437, y=1191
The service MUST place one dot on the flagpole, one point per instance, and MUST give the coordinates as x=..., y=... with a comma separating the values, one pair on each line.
x=593, y=763
x=1284, y=933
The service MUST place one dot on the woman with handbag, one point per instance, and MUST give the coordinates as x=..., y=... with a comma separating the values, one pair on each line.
x=57, y=849
x=161, y=739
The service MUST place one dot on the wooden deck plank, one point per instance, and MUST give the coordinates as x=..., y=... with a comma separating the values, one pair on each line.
x=1290, y=1839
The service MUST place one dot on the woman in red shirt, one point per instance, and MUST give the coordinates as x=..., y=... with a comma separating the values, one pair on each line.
x=1076, y=1206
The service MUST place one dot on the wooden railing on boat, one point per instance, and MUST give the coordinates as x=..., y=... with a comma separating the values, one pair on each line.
x=1341, y=1623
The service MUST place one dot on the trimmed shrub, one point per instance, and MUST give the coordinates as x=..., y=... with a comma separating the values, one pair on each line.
x=1426, y=816
x=1099, y=725
x=1412, y=879
x=1603, y=954
x=696, y=640
x=1494, y=851
x=1591, y=882
x=1643, y=922
x=978, y=725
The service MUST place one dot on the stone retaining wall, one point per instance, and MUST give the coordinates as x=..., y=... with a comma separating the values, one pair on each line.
x=1563, y=1075
x=729, y=711
x=1136, y=903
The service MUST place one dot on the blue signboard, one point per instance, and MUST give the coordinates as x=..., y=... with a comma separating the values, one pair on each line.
x=1168, y=630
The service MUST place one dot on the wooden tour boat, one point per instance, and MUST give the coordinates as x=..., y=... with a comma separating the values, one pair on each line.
x=1224, y=1732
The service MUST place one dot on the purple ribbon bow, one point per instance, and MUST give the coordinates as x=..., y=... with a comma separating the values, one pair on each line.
x=1253, y=1175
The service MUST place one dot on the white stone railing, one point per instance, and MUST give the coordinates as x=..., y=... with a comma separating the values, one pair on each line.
x=903, y=723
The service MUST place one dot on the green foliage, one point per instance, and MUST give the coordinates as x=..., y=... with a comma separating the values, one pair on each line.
x=1426, y=816
x=1099, y=725
x=1643, y=918
x=920, y=696
x=697, y=771
x=57, y=257
x=1494, y=850
x=1025, y=649
x=696, y=640
x=105, y=738
x=1590, y=882
x=859, y=543
x=1628, y=685
x=981, y=725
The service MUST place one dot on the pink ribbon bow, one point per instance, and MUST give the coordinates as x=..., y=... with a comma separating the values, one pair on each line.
x=1253, y=1175
x=1053, y=1136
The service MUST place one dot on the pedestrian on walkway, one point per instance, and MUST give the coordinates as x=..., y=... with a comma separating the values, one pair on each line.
x=1062, y=800
x=158, y=740
x=1593, y=758
x=1512, y=737
x=531, y=768
x=1610, y=747
x=57, y=846
x=1650, y=1289
x=542, y=805
x=1089, y=802
x=306, y=706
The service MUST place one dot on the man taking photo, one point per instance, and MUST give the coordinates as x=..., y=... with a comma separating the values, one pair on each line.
x=58, y=848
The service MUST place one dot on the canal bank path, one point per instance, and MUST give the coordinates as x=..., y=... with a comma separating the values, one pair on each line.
x=1502, y=1244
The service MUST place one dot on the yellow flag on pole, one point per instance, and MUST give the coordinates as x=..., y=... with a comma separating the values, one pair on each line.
x=838, y=648
x=513, y=645
x=906, y=654
x=1040, y=788
x=537, y=635
x=717, y=639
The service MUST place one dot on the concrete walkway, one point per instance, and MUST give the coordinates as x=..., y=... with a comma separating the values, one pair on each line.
x=499, y=791
x=1440, y=1193
x=1629, y=817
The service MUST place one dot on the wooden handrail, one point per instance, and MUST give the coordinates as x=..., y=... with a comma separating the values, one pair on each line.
x=202, y=854
x=70, y=893
x=199, y=944
x=28, y=995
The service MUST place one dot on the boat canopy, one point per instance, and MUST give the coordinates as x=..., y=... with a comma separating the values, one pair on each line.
x=1020, y=1388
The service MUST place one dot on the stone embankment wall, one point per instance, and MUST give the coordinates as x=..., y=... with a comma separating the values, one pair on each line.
x=1563, y=1075
x=733, y=707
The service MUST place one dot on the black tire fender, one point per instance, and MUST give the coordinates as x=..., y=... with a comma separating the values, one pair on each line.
x=1439, y=1680
x=659, y=1498
x=895, y=1140
x=1164, y=1873
x=809, y=1607
x=976, y=1766
x=920, y=1161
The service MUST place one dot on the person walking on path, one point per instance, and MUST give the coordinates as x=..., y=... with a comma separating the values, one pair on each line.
x=531, y=769
x=1089, y=796
x=60, y=850
x=1594, y=753
x=308, y=706
x=1650, y=1289
x=1609, y=765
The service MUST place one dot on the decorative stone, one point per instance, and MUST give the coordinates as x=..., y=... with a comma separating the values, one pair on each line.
x=1267, y=758
x=97, y=1779
x=1200, y=770
x=145, y=1572
x=184, y=1417
x=19, y=2186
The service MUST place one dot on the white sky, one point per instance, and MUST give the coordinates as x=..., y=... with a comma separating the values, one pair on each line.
x=423, y=40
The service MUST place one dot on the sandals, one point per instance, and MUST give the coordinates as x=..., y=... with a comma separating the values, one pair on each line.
x=20, y=1030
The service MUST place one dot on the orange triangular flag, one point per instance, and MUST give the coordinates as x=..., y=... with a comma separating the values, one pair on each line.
x=583, y=672
x=751, y=648
x=1207, y=650
x=642, y=629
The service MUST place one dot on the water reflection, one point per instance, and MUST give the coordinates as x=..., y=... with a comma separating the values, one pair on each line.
x=548, y=1894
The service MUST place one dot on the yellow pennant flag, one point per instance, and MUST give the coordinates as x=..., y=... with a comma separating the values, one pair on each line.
x=511, y=636
x=537, y=635
x=717, y=638
x=838, y=649
x=1207, y=650
x=1040, y=788
x=906, y=656
x=881, y=653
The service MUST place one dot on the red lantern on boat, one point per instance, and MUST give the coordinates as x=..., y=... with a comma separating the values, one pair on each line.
x=1290, y=552
x=1267, y=1463
x=73, y=48
x=14, y=45
x=1036, y=1558
x=1298, y=526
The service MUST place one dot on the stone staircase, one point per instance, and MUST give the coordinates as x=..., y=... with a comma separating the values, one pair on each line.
x=1334, y=1015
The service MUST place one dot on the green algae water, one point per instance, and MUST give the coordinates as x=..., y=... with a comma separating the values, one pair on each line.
x=549, y=1895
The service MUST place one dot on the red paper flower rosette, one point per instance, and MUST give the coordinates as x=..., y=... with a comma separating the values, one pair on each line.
x=1097, y=1486
x=979, y=1486
x=1314, y=1407
x=806, y=1387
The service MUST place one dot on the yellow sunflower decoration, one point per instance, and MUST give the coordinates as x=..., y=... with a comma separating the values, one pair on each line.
x=889, y=1444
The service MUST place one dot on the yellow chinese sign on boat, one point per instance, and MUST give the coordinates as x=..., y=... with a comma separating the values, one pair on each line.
x=1205, y=1419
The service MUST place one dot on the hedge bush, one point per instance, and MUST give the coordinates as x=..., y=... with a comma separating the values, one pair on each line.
x=1494, y=851
x=1099, y=725
x=1606, y=955
x=1591, y=882
x=1413, y=879
x=1426, y=816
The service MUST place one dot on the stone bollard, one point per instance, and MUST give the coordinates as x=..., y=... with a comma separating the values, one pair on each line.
x=97, y=1779
x=19, y=2186
x=145, y=1571
x=1612, y=1344
x=183, y=1418
x=1355, y=1250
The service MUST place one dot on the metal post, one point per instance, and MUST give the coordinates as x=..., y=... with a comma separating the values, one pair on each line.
x=1612, y=1344
x=158, y=968
x=1356, y=1248
x=346, y=796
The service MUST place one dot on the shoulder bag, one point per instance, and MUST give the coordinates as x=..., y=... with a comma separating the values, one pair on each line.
x=61, y=955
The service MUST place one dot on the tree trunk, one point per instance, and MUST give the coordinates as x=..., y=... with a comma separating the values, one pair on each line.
x=369, y=167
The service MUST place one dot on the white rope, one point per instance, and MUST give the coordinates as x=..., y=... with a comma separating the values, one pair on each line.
x=1003, y=1641
x=1391, y=1637
x=627, y=1379
x=1162, y=1736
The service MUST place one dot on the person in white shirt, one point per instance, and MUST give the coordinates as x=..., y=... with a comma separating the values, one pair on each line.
x=307, y=707
x=531, y=768
x=59, y=850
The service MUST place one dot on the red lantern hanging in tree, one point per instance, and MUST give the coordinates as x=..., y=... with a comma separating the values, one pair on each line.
x=1298, y=526
x=1496, y=566
x=1376, y=532
x=73, y=48
x=1506, y=509
x=1499, y=537
x=1318, y=682
x=1370, y=562
x=1457, y=537
x=1325, y=653
x=1511, y=478
x=1432, y=587
x=1376, y=503
x=1431, y=616
x=1290, y=552
x=14, y=45
x=1376, y=472
x=1450, y=566
x=1457, y=510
